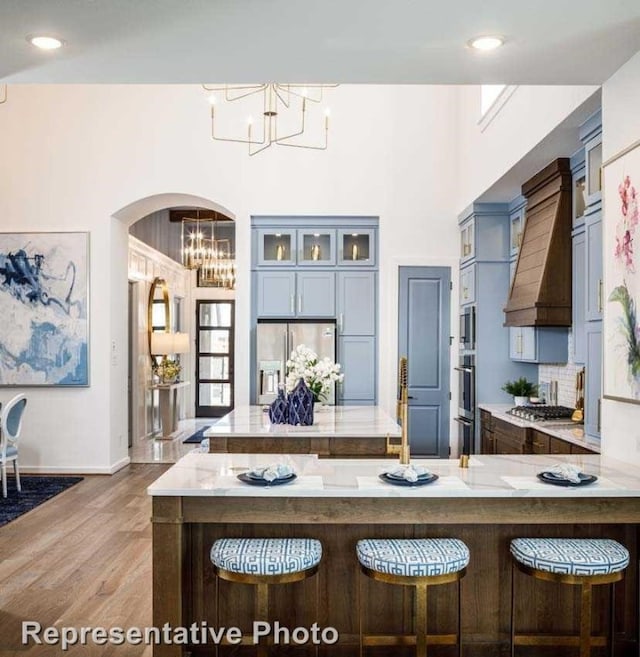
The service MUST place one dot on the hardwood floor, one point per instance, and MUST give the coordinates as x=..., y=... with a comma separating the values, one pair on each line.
x=81, y=559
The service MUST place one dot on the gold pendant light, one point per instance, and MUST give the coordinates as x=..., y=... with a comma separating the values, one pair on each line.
x=289, y=102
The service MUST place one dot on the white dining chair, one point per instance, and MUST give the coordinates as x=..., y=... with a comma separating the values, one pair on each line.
x=10, y=426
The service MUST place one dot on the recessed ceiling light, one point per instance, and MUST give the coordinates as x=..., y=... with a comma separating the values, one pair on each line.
x=486, y=42
x=45, y=42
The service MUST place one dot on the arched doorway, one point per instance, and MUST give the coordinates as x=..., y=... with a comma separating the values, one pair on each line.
x=132, y=322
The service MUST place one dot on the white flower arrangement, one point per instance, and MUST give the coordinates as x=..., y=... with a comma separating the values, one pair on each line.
x=317, y=374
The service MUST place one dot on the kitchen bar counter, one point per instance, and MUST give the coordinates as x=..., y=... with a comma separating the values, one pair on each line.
x=565, y=430
x=338, y=502
x=508, y=476
x=337, y=431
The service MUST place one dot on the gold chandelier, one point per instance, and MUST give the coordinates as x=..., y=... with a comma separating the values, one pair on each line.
x=200, y=250
x=279, y=101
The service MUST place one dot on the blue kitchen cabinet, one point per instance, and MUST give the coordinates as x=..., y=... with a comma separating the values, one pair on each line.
x=538, y=345
x=315, y=294
x=468, y=285
x=357, y=247
x=594, y=291
x=357, y=357
x=467, y=240
x=516, y=224
x=276, y=247
x=295, y=294
x=276, y=292
x=579, y=294
x=593, y=161
x=356, y=302
x=579, y=199
x=316, y=247
x=593, y=378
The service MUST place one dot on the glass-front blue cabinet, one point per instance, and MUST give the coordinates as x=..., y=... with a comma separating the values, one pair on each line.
x=277, y=247
x=316, y=248
x=356, y=248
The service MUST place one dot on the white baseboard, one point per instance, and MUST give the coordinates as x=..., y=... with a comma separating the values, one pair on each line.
x=74, y=470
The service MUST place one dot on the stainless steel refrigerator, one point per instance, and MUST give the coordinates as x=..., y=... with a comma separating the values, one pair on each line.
x=275, y=342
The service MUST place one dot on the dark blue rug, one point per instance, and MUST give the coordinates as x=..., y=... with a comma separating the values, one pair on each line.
x=35, y=491
x=198, y=436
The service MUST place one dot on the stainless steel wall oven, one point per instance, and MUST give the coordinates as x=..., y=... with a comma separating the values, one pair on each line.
x=466, y=403
x=468, y=328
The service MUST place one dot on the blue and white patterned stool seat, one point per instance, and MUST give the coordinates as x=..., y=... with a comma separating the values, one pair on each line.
x=571, y=556
x=266, y=556
x=413, y=557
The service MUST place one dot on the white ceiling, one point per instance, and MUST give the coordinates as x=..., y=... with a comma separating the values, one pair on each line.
x=367, y=41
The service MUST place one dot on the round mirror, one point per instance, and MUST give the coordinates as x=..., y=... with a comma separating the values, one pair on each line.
x=158, y=310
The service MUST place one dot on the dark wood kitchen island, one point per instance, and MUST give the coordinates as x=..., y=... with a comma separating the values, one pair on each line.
x=336, y=432
x=340, y=501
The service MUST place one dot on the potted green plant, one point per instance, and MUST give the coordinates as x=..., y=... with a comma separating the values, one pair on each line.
x=521, y=389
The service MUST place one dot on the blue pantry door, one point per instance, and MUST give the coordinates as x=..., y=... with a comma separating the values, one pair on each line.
x=423, y=337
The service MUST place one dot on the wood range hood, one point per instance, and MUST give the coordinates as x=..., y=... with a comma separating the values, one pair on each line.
x=540, y=292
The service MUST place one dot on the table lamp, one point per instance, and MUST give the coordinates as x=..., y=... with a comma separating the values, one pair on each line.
x=165, y=344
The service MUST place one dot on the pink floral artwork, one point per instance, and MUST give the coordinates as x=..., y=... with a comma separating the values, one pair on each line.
x=626, y=228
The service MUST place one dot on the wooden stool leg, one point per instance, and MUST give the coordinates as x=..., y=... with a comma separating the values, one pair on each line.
x=612, y=617
x=585, y=620
x=459, y=635
x=317, y=614
x=513, y=609
x=359, y=577
x=262, y=612
x=217, y=611
x=421, y=620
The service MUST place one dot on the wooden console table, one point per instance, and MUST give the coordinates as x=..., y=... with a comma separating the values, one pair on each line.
x=168, y=403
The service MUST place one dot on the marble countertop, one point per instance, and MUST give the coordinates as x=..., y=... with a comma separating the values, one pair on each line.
x=213, y=475
x=568, y=431
x=340, y=421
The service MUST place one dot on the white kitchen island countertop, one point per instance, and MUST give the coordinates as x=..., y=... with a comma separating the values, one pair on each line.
x=340, y=421
x=211, y=475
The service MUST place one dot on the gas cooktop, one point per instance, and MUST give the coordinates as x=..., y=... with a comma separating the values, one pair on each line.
x=541, y=412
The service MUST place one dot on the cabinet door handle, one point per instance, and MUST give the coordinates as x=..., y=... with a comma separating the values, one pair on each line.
x=299, y=303
x=599, y=409
x=292, y=302
x=341, y=322
x=600, y=296
x=519, y=344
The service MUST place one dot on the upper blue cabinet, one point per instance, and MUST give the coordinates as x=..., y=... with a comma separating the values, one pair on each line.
x=517, y=216
x=591, y=137
x=356, y=247
x=317, y=247
x=314, y=242
x=276, y=247
x=467, y=239
x=484, y=233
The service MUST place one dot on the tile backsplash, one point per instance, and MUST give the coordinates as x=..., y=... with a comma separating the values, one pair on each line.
x=565, y=375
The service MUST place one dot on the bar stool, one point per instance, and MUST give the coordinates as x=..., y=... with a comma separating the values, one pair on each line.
x=421, y=563
x=580, y=561
x=261, y=562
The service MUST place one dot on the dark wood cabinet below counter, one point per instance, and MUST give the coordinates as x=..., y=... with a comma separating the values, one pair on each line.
x=509, y=439
x=498, y=436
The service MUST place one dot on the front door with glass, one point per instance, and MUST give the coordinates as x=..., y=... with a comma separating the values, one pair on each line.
x=214, y=358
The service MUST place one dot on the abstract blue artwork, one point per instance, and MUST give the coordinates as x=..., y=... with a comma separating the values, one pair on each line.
x=44, y=330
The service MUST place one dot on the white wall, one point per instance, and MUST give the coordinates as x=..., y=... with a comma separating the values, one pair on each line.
x=621, y=128
x=485, y=153
x=73, y=156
